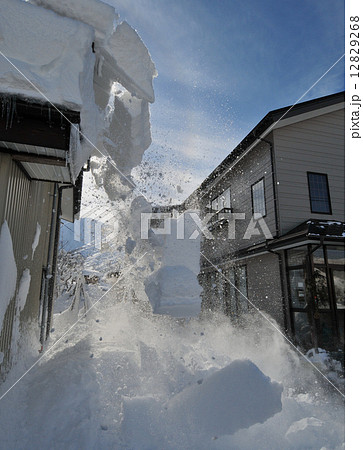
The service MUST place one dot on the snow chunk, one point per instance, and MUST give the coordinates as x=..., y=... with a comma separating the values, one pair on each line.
x=237, y=396
x=92, y=12
x=307, y=433
x=133, y=58
x=36, y=239
x=8, y=271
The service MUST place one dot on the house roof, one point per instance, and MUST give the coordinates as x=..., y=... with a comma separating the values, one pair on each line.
x=271, y=118
x=37, y=135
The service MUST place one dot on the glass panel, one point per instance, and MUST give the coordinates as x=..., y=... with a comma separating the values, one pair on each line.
x=258, y=198
x=336, y=255
x=296, y=256
x=326, y=333
x=319, y=193
x=226, y=198
x=339, y=286
x=302, y=329
x=241, y=285
x=322, y=293
x=297, y=288
x=318, y=256
x=215, y=204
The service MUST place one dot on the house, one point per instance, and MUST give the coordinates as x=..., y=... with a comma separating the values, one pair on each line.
x=36, y=191
x=275, y=212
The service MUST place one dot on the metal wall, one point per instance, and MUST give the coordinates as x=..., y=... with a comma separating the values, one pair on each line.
x=24, y=204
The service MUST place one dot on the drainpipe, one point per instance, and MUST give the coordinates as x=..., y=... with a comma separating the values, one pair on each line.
x=287, y=321
x=49, y=271
x=273, y=174
x=51, y=263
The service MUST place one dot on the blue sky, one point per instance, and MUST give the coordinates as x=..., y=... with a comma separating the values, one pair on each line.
x=222, y=66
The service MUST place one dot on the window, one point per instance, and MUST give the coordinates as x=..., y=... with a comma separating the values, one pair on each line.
x=222, y=201
x=258, y=198
x=319, y=193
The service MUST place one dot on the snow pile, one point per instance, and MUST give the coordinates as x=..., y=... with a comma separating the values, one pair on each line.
x=71, y=53
x=8, y=271
x=125, y=378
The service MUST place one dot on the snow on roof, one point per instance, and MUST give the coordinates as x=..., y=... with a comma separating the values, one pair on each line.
x=69, y=53
x=93, y=12
x=43, y=53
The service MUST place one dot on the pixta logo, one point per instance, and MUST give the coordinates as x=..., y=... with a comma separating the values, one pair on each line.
x=160, y=224
x=96, y=231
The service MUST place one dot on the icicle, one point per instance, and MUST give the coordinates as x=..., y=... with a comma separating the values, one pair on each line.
x=8, y=109
x=50, y=116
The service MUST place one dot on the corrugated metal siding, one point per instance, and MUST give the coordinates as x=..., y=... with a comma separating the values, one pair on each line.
x=315, y=145
x=14, y=212
x=24, y=204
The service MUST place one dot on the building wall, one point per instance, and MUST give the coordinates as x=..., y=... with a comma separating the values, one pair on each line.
x=315, y=145
x=264, y=289
x=264, y=285
x=24, y=204
x=249, y=170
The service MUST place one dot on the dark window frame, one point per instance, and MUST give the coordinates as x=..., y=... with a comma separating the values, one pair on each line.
x=264, y=196
x=328, y=189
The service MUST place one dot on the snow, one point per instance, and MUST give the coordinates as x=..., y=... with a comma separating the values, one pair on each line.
x=36, y=239
x=71, y=53
x=51, y=52
x=133, y=57
x=23, y=289
x=125, y=378
x=92, y=12
x=8, y=270
x=113, y=374
x=174, y=288
x=235, y=397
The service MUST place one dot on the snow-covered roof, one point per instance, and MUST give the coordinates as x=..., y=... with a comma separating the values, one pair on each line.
x=43, y=54
x=71, y=53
